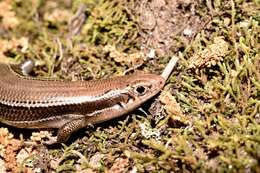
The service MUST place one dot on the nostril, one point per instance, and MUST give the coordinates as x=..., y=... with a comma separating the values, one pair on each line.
x=162, y=82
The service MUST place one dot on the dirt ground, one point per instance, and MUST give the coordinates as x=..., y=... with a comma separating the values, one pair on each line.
x=207, y=117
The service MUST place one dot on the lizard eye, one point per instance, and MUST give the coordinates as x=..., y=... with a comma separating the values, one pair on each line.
x=140, y=90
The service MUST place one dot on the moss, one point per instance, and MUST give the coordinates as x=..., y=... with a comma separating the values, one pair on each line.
x=215, y=85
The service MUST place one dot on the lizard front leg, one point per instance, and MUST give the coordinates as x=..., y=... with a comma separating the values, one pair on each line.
x=66, y=130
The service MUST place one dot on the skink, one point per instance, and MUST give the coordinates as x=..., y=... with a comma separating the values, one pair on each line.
x=27, y=102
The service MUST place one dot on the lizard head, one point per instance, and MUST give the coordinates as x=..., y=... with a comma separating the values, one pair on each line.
x=141, y=87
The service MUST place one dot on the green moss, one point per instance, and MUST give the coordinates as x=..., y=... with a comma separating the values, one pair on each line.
x=221, y=101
